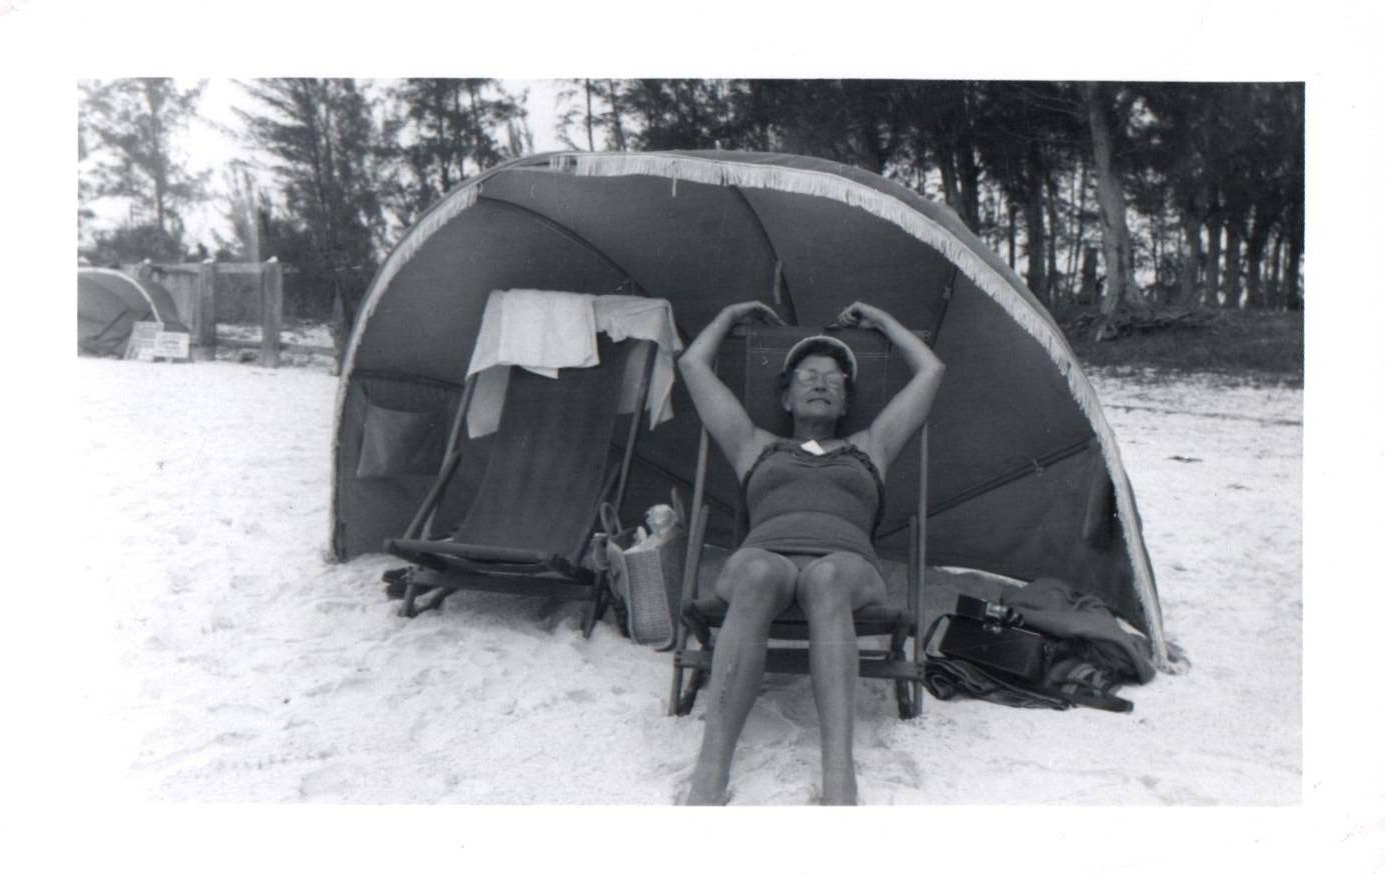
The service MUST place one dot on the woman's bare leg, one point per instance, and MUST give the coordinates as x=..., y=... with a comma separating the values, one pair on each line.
x=757, y=585
x=829, y=591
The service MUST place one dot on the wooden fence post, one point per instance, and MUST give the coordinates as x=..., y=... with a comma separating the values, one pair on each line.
x=204, y=312
x=271, y=310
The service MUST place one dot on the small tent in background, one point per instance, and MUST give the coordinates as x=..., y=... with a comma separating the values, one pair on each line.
x=109, y=303
x=1024, y=477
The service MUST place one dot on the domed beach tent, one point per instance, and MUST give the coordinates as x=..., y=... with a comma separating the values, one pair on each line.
x=110, y=302
x=1024, y=475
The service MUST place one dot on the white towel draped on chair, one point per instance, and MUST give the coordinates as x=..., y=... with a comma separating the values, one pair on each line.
x=544, y=331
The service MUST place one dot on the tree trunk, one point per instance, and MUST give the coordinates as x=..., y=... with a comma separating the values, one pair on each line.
x=1213, y=269
x=158, y=152
x=1276, y=289
x=1115, y=234
x=1010, y=231
x=1034, y=231
x=1293, y=296
x=1156, y=245
x=1255, y=259
x=440, y=128
x=952, y=190
x=1254, y=285
x=591, y=135
x=1231, y=287
x=1188, y=267
x=617, y=128
x=1087, y=292
x=478, y=135
x=1051, y=209
x=1293, y=299
x=970, y=178
x=1079, y=230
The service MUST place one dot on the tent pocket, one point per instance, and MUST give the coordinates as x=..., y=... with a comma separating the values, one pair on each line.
x=400, y=442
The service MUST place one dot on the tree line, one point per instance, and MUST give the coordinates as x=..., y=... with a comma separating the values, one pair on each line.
x=1105, y=196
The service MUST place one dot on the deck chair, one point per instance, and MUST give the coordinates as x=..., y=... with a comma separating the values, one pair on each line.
x=547, y=470
x=748, y=362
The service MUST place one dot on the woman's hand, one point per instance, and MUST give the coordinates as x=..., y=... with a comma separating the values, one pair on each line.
x=751, y=311
x=863, y=315
x=908, y=409
x=703, y=349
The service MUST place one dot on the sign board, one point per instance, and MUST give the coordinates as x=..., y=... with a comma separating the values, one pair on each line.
x=171, y=344
x=141, y=345
x=148, y=342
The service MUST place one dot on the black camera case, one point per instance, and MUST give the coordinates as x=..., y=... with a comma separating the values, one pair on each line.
x=989, y=635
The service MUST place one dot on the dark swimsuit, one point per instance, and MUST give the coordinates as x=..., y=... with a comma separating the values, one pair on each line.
x=799, y=503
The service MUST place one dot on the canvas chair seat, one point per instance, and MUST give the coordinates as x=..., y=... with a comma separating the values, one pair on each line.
x=748, y=362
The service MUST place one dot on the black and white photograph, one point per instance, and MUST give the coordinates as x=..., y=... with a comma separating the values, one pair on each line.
x=466, y=448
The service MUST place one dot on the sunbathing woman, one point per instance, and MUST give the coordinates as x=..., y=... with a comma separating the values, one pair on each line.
x=812, y=502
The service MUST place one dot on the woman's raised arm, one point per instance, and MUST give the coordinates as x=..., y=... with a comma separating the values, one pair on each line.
x=724, y=417
x=907, y=410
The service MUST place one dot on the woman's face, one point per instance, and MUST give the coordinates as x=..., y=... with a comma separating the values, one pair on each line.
x=817, y=389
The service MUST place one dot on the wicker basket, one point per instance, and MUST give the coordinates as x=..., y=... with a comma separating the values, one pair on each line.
x=648, y=582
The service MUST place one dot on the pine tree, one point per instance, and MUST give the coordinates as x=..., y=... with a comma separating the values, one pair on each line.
x=127, y=128
x=324, y=149
x=1108, y=112
x=442, y=131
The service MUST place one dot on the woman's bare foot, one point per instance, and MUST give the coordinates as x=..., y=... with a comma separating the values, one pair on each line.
x=707, y=792
x=840, y=791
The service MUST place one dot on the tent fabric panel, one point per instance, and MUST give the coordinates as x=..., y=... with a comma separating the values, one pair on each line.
x=105, y=336
x=104, y=318
x=883, y=266
x=997, y=534
x=165, y=308
x=141, y=299
x=428, y=323
x=119, y=287
x=699, y=245
x=931, y=224
x=143, y=296
x=935, y=213
x=986, y=425
x=135, y=298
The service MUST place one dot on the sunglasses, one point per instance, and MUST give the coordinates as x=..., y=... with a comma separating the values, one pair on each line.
x=833, y=379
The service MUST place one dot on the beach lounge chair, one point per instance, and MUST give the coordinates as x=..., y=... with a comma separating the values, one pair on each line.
x=539, y=482
x=748, y=362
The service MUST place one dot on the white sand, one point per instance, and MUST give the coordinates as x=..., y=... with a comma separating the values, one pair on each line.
x=246, y=667
x=178, y=637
